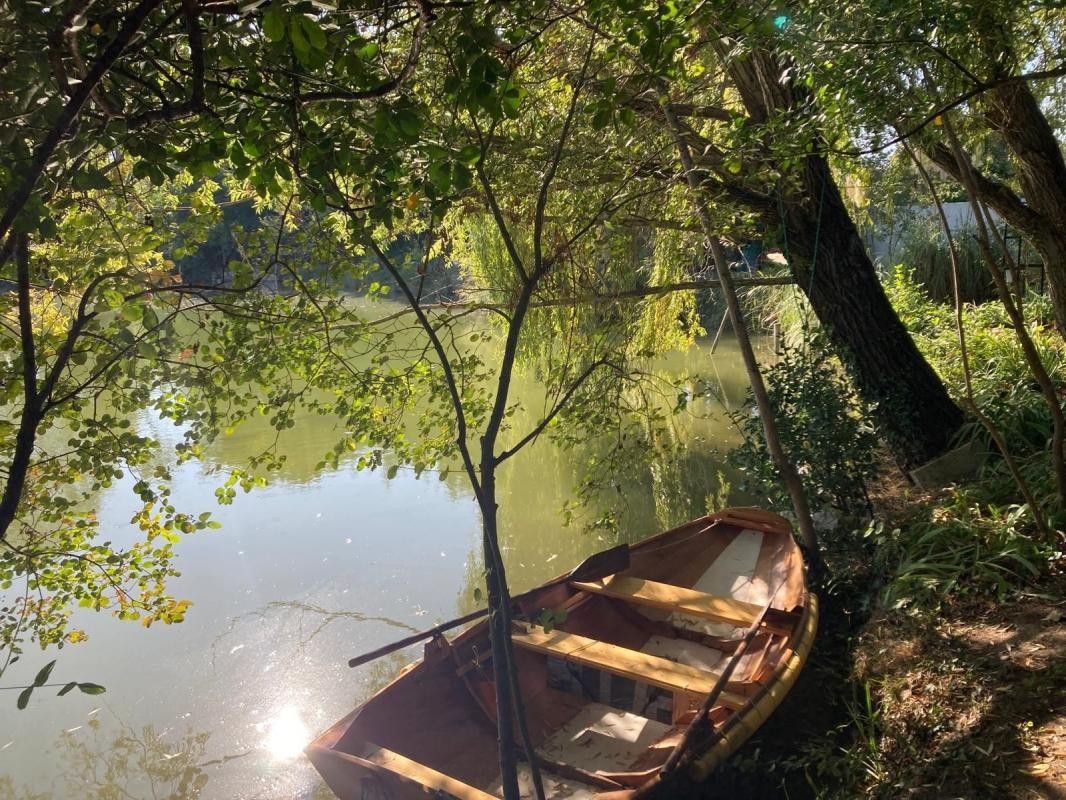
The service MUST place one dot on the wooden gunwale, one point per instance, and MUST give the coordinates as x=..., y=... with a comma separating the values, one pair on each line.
x=740, y=725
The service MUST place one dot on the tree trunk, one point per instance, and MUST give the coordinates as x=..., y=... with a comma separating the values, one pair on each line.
x=1016, y=114
x=499, y=637
x=912, y=409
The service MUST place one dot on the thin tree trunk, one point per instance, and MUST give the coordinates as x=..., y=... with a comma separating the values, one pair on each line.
x=979, y=415
x=786, y=469
x=26, y=437
x=482, y=478
x=1032, y=356
x=499, y=637
x=492, y=550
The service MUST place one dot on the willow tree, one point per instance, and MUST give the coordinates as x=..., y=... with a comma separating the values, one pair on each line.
x=761, y=133
x=900, y=66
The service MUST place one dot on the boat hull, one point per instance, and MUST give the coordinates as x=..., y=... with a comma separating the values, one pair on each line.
x=612, y=690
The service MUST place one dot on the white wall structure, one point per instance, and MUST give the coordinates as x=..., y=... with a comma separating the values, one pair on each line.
x=882, y=245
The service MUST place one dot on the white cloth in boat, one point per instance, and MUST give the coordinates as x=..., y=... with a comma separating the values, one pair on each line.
x=597, y=738
x=732, y=574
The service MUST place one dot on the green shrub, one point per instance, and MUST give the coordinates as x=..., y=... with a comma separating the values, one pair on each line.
x=961, y=548
x=823, y=428
x=1003, y=386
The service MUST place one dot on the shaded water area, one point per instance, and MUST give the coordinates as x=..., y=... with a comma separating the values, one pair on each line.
x=316, y=568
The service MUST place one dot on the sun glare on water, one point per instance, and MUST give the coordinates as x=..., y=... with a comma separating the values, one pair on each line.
x=286, y=734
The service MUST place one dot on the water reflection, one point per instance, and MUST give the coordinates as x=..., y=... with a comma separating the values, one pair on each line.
x=286, y=735
x=318, y=568
x=294, y=611
x=106, y=759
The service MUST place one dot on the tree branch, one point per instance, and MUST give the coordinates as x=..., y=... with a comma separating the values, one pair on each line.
x=43, y=154
x=538, y=429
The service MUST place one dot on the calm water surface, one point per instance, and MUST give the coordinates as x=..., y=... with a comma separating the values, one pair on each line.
x=316, y=568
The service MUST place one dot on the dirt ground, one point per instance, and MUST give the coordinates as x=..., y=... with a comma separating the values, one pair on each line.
x=968, y=705
x=975, y=705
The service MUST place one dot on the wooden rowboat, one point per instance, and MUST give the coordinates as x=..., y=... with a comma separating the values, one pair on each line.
x=610, y=692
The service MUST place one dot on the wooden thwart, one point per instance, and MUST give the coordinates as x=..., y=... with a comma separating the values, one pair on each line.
x=419, y=773
x=686, y=601
x=631, y=664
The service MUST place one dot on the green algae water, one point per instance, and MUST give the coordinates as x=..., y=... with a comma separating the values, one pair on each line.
x=304, y=574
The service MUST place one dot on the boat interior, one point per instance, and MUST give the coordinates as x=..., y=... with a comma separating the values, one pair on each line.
x=609, y=691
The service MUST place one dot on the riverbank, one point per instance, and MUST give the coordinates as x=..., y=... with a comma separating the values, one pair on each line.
x=959, y=697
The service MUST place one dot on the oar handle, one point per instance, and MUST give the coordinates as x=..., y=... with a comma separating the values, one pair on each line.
x=596, y=566
x=415, y=638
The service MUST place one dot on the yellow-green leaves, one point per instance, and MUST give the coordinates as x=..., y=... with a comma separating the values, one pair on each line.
x=274, y=23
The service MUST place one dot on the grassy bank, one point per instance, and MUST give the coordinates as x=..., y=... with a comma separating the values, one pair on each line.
x=942, y=655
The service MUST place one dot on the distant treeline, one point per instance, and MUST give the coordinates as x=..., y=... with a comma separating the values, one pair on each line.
x=211, y=263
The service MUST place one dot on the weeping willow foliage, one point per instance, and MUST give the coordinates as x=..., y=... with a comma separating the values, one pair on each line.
x=670, y=321
x=576, y=299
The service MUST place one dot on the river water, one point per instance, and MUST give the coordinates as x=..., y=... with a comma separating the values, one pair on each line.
x=316, y=568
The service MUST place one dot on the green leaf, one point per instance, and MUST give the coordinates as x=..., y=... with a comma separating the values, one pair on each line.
x=24, y=697
x=274, y=24
x=462, y=177
x=298, y=37
x=149, y=318
x=42, y=676
x=440, y=174
x=91, y=688
x=315, y=35
x=408, y=122
x=132, y=312
x=90, y=178
x=734, y=166
x=47, y=228
x=470, y=154
x=66, y=688
x=391, y=472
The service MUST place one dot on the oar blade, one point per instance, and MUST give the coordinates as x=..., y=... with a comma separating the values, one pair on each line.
x=600, y=565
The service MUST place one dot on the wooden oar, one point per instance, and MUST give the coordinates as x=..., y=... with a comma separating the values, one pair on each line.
x=597, y=566
x=719, y=686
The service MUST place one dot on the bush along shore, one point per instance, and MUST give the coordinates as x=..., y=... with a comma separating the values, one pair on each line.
x=942, y=653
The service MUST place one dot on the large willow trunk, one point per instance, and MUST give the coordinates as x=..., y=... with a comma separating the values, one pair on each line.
x=912, y=409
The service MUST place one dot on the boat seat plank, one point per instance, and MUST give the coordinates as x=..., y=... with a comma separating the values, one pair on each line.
x=682, y=600
x=633, y=664
x=421, y=774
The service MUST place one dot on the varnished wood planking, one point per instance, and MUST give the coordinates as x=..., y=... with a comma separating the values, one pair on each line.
x=681, y=600
x=631, y=664
x=420, y=773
